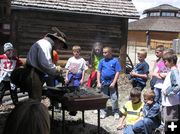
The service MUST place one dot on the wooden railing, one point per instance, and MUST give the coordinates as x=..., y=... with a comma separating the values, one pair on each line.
x=166, y=44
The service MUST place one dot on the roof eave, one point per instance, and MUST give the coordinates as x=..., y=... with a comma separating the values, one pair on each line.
x=17, y=7
x=151, y=30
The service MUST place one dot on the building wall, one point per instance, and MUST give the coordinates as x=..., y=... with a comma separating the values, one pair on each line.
x=4, y=22
x=30, y=25
x=139, y=37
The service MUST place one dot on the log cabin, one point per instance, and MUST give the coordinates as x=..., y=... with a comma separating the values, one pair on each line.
x=83, y=21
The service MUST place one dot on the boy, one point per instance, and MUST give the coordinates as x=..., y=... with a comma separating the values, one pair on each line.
x=151, y=112
x=131, y=111
x=76, y=67
x=9, y=61
x=138, y=76
x=170, y=90
x=159, y=73
x=107, y=76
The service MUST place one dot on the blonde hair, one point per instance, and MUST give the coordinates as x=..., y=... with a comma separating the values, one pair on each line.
x=149, y=94
x=109, y=49
x=143, y=52
x=76, y=47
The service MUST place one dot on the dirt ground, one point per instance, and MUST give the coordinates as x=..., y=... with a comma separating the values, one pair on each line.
x=73, y=124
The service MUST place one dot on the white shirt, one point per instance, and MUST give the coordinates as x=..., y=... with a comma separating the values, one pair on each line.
x=75, y=65
x=169, y=100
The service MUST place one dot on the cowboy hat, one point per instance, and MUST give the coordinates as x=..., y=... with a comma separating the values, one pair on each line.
x=58, y=35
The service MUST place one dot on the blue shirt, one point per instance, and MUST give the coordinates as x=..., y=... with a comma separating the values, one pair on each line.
x=108, y=69
x=141, y=68
x=151, y=111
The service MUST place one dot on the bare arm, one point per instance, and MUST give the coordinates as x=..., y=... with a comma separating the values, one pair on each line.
x=82, y=79
x=144, y=76
x=121, y=122
x=98, y=79
x=115, y=79
x=66, y=79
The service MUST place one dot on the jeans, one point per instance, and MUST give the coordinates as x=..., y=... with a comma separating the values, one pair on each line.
x=113, y=94
x=128, y=129
x=157, y=92
x=6, y=85
x=146, y=126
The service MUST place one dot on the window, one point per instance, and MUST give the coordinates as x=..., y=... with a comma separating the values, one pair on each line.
x=154, y=14
x=178, y=15
x=168, y=14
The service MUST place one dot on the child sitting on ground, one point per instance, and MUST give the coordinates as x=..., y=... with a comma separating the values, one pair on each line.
x=151, y=112
x=138, y=76
x=131, y=111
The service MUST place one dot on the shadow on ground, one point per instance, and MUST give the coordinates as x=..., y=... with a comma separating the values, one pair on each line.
x=73, y=127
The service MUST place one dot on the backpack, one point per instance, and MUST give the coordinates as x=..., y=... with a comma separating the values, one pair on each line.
x=175, y=83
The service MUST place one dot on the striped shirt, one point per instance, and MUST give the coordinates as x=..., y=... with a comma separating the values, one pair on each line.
x=133, y=112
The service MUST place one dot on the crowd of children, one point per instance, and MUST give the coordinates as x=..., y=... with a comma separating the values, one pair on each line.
x=161, y=102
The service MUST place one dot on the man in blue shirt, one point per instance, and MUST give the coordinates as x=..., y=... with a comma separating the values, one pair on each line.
x=107, y=76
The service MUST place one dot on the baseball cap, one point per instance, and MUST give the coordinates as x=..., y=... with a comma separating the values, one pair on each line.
x=8, y=46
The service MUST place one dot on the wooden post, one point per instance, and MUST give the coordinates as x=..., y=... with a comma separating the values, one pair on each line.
x=123, y=43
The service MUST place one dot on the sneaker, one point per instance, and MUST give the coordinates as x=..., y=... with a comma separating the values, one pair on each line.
x=56, y=109
x=102, y=116
x=116, y=116
x=160, y=130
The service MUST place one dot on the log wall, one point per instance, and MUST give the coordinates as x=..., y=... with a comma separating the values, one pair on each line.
x=81, y=29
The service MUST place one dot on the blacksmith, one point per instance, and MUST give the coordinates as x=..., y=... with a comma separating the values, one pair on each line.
x=39, y=60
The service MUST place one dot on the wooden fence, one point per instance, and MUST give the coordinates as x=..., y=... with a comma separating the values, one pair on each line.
x=166, y=44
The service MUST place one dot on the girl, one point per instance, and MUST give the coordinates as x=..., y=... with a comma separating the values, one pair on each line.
x=96, y=56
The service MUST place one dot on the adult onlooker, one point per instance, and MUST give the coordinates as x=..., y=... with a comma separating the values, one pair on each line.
x=39, y=61
x=107, y=75
x=8, y=62
x=28, y=117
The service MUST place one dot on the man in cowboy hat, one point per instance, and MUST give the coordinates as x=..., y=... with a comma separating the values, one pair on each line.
x=39, y=62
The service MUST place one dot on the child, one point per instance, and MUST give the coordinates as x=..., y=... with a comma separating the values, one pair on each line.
x=76, y=67
x=96, y=56
x=107, y=76
x=170, y=90
x=9, y=61
x=138, y=76
x=151, y=112
x=131, y=111
x=159, y=73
